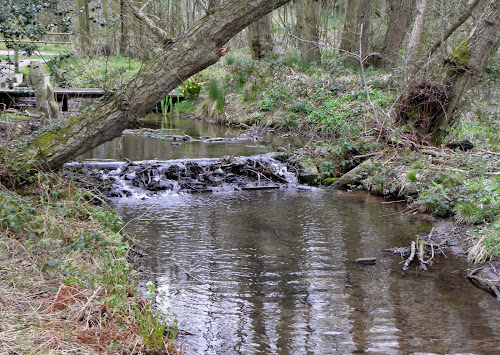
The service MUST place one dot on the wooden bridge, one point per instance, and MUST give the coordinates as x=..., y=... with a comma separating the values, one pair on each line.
x=14, y=97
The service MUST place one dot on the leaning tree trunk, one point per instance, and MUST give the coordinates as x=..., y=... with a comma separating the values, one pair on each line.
x=465, y=62
x=198, y=48
x=454, y=27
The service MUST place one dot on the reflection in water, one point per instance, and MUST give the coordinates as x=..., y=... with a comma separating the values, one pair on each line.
x=272, y=272
x=135, y=147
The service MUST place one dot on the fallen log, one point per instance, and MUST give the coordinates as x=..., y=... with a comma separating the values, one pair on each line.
x=483, y=283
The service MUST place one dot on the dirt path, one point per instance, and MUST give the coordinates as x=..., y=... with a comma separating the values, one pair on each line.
x=7, y=74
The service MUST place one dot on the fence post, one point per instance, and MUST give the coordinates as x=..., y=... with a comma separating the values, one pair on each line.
x=16, y=60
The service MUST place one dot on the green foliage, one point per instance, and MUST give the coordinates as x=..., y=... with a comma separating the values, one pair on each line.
x=164, y=105
x=216, y=93
x=250, y=94
x=288, y=121
x=327, y=169
x=436, y=198
x=185, y=107
x=267, y=105
x=153, y=326
x=481, y=203
x=492, y=240
x=302, y=107
x=293, y=59
x=469, y=200
x=104, y=72
x=191, y=88
x=412, y=175
x=19, y=20
x=14, y=213
x=241, y=68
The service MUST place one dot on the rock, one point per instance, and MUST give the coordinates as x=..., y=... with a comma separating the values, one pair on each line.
x=464, y=145
x=366, y=261
x=307, y=173
x=354, y=176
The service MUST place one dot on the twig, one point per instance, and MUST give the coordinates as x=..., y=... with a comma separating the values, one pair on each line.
x=412, y=255
x=488, y=152
x=421, y=252
x=366, y=155
x=79, y=314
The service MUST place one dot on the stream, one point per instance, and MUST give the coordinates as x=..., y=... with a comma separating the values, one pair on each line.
x=272, y=271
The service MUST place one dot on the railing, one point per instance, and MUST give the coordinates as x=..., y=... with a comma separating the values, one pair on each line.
x=46, y=41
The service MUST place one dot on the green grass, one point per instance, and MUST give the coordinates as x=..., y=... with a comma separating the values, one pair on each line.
x=95, y=72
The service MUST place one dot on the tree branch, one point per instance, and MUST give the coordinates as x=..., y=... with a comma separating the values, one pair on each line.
x=454, y=27
x=161, y=34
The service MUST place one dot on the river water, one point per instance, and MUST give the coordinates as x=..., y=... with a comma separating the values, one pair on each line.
x=273, y=271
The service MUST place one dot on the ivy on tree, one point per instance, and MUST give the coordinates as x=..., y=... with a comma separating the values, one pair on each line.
x=20, y=26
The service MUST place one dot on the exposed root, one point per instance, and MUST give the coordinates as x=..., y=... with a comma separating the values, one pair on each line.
x=483, y=283
x=423, y=248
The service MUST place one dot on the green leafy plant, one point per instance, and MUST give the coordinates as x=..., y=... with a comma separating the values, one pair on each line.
x=266, y=105
x=191, y=88
x=153, y=325
x=411, y=175
x=13, y=213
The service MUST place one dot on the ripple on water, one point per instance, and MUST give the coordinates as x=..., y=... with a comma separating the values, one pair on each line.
x=273, y=272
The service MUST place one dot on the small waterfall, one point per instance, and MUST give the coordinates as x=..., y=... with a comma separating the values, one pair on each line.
x=151, y=177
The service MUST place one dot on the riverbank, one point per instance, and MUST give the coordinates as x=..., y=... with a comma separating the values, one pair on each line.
x=356, y=143
x=67, y=277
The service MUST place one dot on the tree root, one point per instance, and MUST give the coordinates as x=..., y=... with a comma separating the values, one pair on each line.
x=422, y=249
x=483, y=283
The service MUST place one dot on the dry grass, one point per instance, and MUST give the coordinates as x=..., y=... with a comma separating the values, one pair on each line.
x=65, y=284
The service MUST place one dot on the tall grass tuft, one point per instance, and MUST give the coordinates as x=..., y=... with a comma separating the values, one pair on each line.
x=217, y=94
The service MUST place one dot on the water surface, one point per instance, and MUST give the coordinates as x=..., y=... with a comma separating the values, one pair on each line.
x=137, y=145
x=273, y=272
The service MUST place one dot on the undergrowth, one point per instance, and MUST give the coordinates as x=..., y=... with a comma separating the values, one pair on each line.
x=330, y=104
x=65, y=280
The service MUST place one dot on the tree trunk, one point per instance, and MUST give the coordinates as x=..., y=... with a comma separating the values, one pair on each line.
x=358, y=15
x=259, y=37
x=364, y=20
x=412, y=52
x=465, y=62
x=399, y=23
x=454, y=27
x=308, y=30
x=197, y=49
x=84, y=43
x=123, y=29
x=350, y=33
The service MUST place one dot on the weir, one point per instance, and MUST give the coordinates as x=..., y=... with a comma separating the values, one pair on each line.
x=146, y=178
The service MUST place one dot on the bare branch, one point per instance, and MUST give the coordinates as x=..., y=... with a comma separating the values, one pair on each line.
x=453, y=28
x=161, y=34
